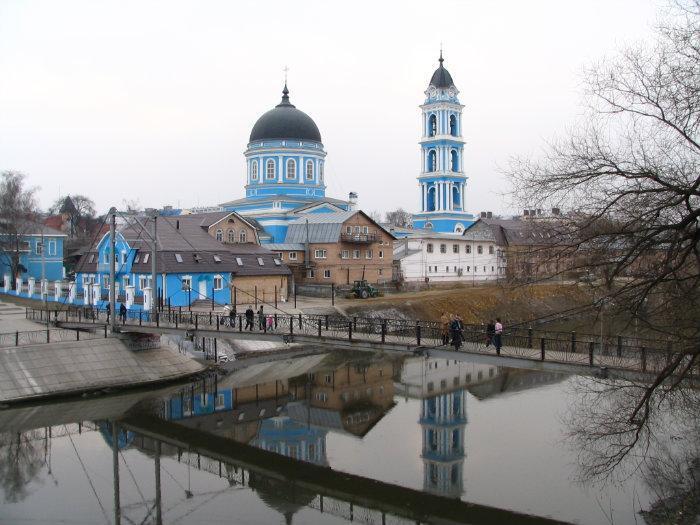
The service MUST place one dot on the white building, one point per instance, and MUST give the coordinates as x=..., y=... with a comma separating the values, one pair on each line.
x=441, y=257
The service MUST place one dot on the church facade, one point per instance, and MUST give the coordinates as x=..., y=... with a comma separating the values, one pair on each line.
x=441, y=180
x=285, y=172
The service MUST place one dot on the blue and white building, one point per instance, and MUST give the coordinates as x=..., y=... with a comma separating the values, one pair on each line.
x=285, y=172
x=442, y=181
x=39, y=252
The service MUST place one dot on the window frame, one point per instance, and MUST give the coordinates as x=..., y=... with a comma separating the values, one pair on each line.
x=309, y=170
x=270, y=174
x=254, y=170
x=291, y=163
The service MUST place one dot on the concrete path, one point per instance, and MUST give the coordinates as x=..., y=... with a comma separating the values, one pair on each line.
x=12, y=319
x=30, y=372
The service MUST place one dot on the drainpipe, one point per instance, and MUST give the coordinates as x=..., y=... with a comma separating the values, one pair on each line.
x=112, y=286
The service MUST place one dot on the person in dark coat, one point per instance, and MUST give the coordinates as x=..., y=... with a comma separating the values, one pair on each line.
x=109, y=310
x=490, y=332
x=261, y=319
x=249, y=318
x=456, y=332
x=122, y=313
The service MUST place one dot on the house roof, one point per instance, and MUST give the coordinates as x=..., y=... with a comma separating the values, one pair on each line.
x=283, y=246
x=514, y=232
x=322, y=227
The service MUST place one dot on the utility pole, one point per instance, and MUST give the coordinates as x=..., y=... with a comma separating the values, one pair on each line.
x=112, y=268
x=154, y=284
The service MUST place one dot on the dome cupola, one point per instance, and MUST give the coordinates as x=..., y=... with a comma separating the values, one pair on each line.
x=285, y=121
x=441, y=77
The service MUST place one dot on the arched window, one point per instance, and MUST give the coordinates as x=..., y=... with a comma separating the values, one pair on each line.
x=453, y=125
x=291, y=169
x=431, y=199
x=309, y=170
x=220, y=235
x=432, y=126
x=254, y=170
x=456, y=199
x=428, y=225
x=232, y=236
x=454, y=160
x=270, y=170
x=241, y=237
x=432, y=160
x=320, y=172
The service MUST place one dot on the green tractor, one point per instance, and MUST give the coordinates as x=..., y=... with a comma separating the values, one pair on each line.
x=362, y=290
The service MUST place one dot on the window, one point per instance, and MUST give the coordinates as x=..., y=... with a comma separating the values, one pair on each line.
x=320, y=172
x=310, y=274
x=254, y=170
x=309, y=170
x=277, y=262
x=368, y=254
x=491, y=250
x=292, y=256
x=326, y=274
x=430, y=269
x=218, y=282
x=348, y=230
x=279, y=255
x=123, y=255
x=52, y=248
x=220, y=402
x=429, y=247
x=468, y=248
x=136, y=257
x=455, y=248
x=105, y=259
x=365, y=229
x=144, y=281
x=455, y=381
x=447, y=269
x=453, y=125
x=480, y=249
x=106, y=281
x=469, y=269
x=217, y=259
x=92, y=258
x=492, y=269
x=381, y=271
x=220, y=235
x=443, y=248
x=468, y=378
x=232, y=236
x=239, y=261
x=187, y=283
x=345, y=254
x=127, y=280
x=381, y=254
x=270, y=171
x=432, y=125
x=291, y=169
x=178, y=257
x=145, y=257
x=242, y=236
x=261, y=262
x=357, y=229
x=40, y=249
x=319, y=254
x=432, y=161
x=356, y=254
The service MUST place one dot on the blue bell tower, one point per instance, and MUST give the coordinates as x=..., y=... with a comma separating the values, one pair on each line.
x=442, y=181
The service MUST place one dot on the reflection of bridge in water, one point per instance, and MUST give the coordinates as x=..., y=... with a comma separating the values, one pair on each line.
x=265, y=428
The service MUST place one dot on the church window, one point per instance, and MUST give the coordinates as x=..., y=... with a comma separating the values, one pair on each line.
x=291, y=169
x=491, y=250
x=232, y=236
x=320, y=172
x=443, y=248
x=455, y=248
x=242, y=236
x=480, y=249
x=432, y=160
x=432, y=126
x=270, y=169
x=453, y=125
x=454, y=160
x=254, y=170
x=429, y=248
x=220, y=235
x=428, y=225
x=309, y=170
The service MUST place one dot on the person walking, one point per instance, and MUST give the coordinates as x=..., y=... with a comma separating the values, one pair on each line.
x=270, y=323
x=122, y=313
x=445, y=320
x=249, y=318
x=490, y=331
x=498, y=335
x=232, y=316
x=109, y=310
x=457, y=332
x=261, y=319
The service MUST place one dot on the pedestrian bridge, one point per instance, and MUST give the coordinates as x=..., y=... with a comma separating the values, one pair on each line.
x=378, y=333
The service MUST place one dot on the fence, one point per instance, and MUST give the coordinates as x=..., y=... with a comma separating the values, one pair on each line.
x=585, y=349
x=56, y=335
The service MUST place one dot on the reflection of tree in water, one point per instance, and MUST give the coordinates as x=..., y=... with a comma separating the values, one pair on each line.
x=662, y=444
x=21, y=460
x=286, y=498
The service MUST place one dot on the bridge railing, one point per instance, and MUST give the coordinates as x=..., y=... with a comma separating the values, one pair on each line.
x=49, y=335
x=516, y=342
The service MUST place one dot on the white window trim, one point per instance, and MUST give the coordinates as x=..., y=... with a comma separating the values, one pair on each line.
x=326, y=274
x=320, y=254
x=188, y=279
x=270, y=162
x=221, y=282
x=292, y=256
x=293, y=164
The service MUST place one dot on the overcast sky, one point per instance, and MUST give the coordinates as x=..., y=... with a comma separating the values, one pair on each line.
x=155, y=100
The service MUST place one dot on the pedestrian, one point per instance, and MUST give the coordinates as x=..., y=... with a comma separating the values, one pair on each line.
x=270, y=322
x=261, y=319
x=490, y=331
x=122, y=313
x=249, y=318
x=109, y=310
x=497, y=335
x=457, y=332
x=232, y=316
x=445, y=320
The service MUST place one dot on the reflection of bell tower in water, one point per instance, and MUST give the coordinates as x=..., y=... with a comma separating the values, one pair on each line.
x=443, y=421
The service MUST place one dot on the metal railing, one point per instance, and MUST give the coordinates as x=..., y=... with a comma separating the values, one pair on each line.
x=584, y=349
x=49, y=335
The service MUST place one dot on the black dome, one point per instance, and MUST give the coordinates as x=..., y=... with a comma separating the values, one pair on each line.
x=441, y=78
x=285, y=122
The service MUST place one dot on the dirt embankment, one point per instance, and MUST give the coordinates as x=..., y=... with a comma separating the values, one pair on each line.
x=476, y=304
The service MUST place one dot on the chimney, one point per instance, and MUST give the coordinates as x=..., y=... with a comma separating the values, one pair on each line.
x=556, y=211
x=483, y=214
x=489, y=215
x=539, y=211
x=526, y=213
x=352, y=199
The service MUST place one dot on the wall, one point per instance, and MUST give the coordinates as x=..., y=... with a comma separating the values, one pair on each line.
x=265, y=285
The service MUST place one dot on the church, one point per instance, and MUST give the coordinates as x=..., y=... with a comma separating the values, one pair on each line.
x=285, y=160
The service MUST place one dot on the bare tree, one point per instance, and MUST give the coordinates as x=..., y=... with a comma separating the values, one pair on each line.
x=80, y=211
x=18, y=211
x=399, y=217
